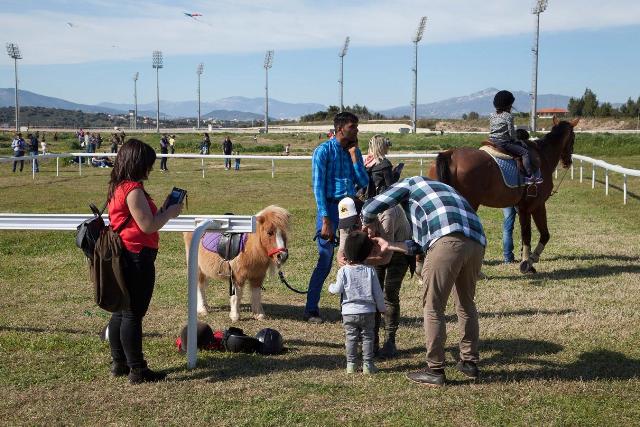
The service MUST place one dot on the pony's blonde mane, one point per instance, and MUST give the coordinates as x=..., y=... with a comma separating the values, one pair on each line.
x=277, y=216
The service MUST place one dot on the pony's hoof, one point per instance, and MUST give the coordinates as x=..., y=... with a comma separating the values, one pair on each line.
x=234, y=317
x=259, y=316
x=202, y=311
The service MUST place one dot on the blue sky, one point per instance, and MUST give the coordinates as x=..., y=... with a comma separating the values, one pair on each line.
x=467, y=46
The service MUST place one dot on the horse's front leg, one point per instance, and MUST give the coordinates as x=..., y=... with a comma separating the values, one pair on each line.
x=256, y=301
x=525, y=232
x=540, y=218
x=234, y=302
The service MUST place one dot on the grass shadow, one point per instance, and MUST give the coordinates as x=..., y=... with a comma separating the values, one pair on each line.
x=33, y=329
x=593, y=271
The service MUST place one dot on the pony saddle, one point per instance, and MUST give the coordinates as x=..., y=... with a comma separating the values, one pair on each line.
x=227, y=245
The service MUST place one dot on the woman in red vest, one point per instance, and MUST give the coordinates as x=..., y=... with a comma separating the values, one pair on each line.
x=131, y=205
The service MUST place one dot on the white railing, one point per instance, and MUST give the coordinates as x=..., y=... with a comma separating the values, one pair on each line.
x=595, y=163
x=198, y=224
x=607, y=167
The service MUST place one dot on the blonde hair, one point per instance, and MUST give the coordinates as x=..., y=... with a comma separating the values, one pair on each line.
x=378, y=147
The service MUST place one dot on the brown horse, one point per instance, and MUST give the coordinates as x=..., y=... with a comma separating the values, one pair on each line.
x=264, y=250
x=475, y=175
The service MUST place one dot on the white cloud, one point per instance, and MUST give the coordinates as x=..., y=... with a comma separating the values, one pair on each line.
x=126, y=30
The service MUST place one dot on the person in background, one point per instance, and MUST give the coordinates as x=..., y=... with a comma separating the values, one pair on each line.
x=55, y=136
x=360, y=296
x=19, y=147
x=134, y=213
x=237, y=165
x=172, y=144
x=43, y=143
x=227, y=150
x=98, y=141
x=205, y=145
x=287, y=149
x=337, y=171
x=115, y=140
x=164, y=149
x=33, y=150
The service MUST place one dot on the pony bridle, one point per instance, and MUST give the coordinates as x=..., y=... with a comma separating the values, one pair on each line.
x=280, y=249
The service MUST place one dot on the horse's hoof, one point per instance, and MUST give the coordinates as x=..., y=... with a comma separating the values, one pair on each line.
x=525, y=267
x=259, y=316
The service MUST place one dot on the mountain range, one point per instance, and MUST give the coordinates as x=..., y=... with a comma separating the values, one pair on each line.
x=481, y=102
x=244, y=109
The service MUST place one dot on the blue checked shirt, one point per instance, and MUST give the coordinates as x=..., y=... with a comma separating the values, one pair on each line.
x=433, y=208
x=334, y=175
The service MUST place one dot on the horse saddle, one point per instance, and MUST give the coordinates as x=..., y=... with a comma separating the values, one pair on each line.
x=227, y=245
x=510, y=167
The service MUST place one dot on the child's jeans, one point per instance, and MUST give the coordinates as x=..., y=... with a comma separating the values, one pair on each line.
x=356, y=327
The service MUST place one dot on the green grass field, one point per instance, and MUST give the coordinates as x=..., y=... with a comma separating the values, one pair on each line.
x=557, y=348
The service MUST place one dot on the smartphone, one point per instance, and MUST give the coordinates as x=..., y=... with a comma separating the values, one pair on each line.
x=177, y=196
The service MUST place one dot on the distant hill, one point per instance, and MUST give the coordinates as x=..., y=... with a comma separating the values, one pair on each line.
x=480, y=102
x=42, y=116
x=277, y=109
x=30, y=99
x=230, y=115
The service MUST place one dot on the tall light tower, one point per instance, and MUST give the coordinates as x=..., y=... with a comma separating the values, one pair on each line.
x=135, y=100
x=157, y=64
x=342, y=53
x=414, y=103
x=268, y=62
x=14, y=52
x=199, y=73
x=540, y=6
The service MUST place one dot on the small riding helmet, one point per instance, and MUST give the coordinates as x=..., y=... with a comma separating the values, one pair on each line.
x=503, y=100
x=204, y=335
x=270, y=341
x=236, y=341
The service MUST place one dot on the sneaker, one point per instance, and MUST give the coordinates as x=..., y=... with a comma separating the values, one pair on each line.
x=145, y=375
x=119, y=369
x=529, y=180
x=428, y=376
x=538, y=180
x=469, y=369
x=351, y=368
x=369, y=368
x=313, y=317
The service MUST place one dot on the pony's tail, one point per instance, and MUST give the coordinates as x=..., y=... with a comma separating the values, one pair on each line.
x=442, y=166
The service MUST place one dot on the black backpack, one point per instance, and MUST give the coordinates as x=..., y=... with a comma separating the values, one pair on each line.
x=103, y=248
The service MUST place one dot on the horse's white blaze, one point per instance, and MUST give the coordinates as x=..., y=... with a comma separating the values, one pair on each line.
x=279, y=239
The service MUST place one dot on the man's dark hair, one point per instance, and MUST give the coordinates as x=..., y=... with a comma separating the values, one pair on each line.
x=341, y=119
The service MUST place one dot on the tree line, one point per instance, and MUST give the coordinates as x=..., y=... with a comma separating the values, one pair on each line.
x=361, y=111
x=589, y=106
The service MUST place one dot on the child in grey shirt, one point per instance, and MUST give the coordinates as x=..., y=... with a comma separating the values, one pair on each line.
x=361, y=296
x=502, y=133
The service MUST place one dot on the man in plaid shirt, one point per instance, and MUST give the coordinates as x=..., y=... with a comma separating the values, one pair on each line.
x=445, y=227
x=337, y=171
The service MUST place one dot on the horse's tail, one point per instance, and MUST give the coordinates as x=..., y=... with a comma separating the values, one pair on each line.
x=442, y=166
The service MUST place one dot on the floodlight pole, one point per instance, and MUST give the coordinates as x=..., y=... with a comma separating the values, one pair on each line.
x=541, y=6
x=199, y=73
x=135, y=100
x=416, y=40
x=342, y=54
x=157, y=64
x=268, y=62
x=14, y=52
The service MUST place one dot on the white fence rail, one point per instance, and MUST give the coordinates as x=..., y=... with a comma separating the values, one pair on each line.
x=196, y=223
x=595, y=163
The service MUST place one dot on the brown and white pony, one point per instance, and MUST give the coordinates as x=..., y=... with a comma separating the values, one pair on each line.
x=264, y=250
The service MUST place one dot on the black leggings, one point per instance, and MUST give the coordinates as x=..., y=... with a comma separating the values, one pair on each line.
x=163, y=160
x=516, y=149
x=125, y=327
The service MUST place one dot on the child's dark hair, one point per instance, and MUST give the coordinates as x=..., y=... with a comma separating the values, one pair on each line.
x=133, y=163
x=357, y=246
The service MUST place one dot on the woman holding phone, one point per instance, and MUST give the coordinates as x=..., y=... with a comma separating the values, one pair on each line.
x=132, y=210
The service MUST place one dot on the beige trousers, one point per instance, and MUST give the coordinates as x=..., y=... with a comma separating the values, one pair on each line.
x=452, y=260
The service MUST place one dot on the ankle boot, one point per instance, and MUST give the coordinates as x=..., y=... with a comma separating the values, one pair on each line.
x=145, y=375
x=389, y=350
x=119, y=369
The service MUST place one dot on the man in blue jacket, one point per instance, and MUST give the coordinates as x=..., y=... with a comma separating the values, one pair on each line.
x=337, y=171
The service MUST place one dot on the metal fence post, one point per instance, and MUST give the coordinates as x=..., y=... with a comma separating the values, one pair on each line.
x=33, y=168
x=624, y=189
x=273, y=168
x=202, y=167
x=593, y=176
x=57, y=166
x=556, y=177
x=571, y=170
x=606, y=181
x=80, y=165
x=581, y=171
x=421, y=174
